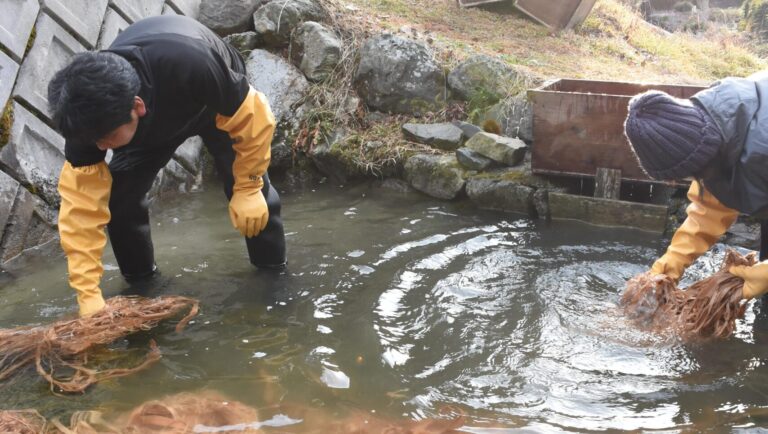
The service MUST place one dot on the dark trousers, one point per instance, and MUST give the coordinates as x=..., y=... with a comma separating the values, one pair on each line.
x=132, y=176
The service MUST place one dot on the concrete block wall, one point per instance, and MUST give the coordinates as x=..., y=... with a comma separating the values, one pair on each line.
x=37, y=38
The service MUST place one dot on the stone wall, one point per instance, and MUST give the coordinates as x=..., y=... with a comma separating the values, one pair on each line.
x=37, y=38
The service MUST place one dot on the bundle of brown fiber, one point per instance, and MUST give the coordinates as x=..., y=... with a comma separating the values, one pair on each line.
x=209, y=411
x=708, y=308
x=21, y=422
x=64, y=344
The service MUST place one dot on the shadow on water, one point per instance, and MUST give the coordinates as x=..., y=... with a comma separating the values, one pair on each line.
x=403, y=306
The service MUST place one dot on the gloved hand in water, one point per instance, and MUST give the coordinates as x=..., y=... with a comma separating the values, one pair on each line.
x=248, y=211
x=707, y=221
x=755, y=279
x=251, y=127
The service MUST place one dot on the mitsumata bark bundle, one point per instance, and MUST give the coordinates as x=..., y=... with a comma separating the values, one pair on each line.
x=708, y=308
x=63, y=346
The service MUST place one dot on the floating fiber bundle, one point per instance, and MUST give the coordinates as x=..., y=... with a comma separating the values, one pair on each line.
x=64, y=344
x=708, y=308
x=21, y=422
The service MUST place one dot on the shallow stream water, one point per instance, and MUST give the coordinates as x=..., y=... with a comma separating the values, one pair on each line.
x=403, y=307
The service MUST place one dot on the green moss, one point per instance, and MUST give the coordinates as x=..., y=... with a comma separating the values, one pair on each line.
x=6, y=122
x=31, y=40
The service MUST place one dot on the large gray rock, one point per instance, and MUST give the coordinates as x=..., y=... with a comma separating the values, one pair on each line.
x=514, y=116
x=16, y=22
x=501, y=195
x=482, y=79
x=444, y=136
x=502, y=149
x=282, y=157
x=282, y=83
x=189, y=154
x=228, y=16
x=469, y=130
x=744, y=235
x=244, y=42
x=275, y=21
x=472, y=160
x=400, y=76
x=316, y=50
x=34, y=155
x=331, y=160
x=436, y=175
x=190, y=8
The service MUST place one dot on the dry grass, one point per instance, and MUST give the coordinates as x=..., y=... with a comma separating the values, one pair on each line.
x=613, y=44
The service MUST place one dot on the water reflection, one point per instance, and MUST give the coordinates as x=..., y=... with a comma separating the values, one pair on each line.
x=406, y=307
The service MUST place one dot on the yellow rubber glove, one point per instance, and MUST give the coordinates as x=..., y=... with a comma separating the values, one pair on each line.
x=248, y=212
x=83, y=214
x=707, y=221
x=251, y=127
x=755, y=279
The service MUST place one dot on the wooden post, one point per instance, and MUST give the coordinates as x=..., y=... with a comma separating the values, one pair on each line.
x=608, y=183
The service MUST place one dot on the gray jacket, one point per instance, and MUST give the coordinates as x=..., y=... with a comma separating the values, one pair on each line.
x=739, y=107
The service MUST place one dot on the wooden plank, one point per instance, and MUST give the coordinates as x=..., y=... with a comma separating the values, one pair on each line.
x=553, y=14
x=581, y=13
x=472, y=3
x=578, y=126
x=608, y=183
x=607, y=212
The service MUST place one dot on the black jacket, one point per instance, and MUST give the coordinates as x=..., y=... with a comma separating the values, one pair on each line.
x=739, y=107
x=186, y=71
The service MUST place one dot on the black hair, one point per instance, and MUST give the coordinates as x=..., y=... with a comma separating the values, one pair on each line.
x=92, y=95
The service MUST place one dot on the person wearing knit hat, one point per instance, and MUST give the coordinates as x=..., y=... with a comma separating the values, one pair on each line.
x=718, y=138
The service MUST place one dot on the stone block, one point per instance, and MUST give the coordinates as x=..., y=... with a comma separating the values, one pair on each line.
x=16, y=22
x=502, y=149
x=188, y=154
x=8, y=189
x=608, y=212
x=190, y=8
x=82, y=17
x=17, y=227
x=501, y=195
x=8, y=71
x=52, y=50
x=444, y=136
x=135, y=10
x=34, y=154
x=168, y=10
x=439, y=176
x=113, y=25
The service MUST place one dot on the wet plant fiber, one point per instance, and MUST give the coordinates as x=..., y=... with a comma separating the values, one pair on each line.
x=708, y=308
x=64, y=344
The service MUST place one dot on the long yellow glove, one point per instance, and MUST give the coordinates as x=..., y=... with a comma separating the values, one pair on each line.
x=755, y=279
x=251, y=127
x=83, y=215
x=707, y=221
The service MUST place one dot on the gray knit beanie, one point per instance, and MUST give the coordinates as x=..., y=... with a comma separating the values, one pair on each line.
x=672, y=138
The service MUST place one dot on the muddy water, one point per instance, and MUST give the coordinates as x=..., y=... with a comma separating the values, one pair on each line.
x=409, y=308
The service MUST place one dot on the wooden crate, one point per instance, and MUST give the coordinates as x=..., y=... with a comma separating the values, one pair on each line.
x=578, y=127
x=557, y=14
